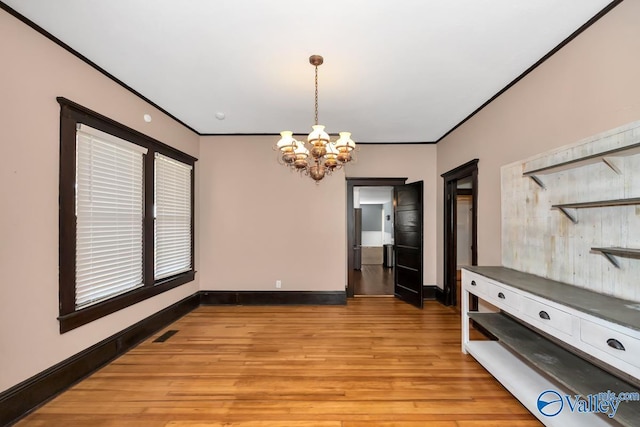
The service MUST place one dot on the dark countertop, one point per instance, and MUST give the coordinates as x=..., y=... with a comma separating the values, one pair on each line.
x=622, y=312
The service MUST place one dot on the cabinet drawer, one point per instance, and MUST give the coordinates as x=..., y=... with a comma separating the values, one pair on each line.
x=475, y=284
x=502, y=295
x=543, y=316
x=619, y=345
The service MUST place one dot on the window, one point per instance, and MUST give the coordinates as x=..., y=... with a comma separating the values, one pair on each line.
x=109, y=216
x=173, y=217
x=126, y=216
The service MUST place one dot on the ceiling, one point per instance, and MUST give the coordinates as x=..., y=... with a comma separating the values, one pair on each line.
x=394, y=70
x=373, y=195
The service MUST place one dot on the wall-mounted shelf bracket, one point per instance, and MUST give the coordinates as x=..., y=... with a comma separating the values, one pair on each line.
x=537, y=181
x=611, y=253
x=569, y=214
x=609, y=162
x=611, y=259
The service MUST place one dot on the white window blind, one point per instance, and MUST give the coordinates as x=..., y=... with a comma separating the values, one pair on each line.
x=109, y=215
x=172, y=217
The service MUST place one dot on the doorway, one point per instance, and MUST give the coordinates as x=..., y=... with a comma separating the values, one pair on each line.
x=464, y=231
x=460, y=227
x=367, y=273
x=373, y=235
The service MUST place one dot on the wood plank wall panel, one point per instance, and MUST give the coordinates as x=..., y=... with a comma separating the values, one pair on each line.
x=322, y=366
x=540, y=240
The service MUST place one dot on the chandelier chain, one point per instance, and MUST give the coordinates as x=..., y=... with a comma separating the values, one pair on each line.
x=316, y=105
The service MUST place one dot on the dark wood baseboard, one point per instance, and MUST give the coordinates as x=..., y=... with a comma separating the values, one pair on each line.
x=440, y=296
x=26, y=396
x=273, y=298
x=429, y=292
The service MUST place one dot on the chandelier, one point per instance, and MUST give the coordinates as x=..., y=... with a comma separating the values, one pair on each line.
x=325, y=156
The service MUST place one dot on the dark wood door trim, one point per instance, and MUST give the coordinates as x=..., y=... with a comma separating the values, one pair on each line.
x=360, y=182
x=469, y=169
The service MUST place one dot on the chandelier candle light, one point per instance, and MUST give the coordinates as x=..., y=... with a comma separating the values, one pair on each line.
x=325, y=156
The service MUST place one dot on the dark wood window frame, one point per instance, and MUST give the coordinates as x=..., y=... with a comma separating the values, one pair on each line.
x=71, y=114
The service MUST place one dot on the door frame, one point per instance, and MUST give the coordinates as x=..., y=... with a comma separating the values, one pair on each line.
x=360, y=182
x=469, y=169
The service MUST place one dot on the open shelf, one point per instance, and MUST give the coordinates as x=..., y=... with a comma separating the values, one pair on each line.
x=611, y=253
x=629, y=150
x=564, y=207
x=599, y=203
x=563, y=366
x=526, y=383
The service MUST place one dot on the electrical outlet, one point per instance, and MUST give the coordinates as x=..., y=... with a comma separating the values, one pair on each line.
x=278, y=284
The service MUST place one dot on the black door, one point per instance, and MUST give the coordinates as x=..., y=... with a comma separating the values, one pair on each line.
x=408, y=243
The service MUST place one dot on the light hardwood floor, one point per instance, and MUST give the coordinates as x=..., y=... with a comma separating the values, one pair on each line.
x=374, y=362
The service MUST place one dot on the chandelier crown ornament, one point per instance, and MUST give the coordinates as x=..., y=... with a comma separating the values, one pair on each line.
x=324, y=155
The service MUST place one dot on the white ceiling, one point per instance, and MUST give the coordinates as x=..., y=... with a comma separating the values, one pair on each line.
x=373, y=195
x=394, y=71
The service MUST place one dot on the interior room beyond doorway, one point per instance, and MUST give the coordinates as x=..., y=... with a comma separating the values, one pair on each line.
x=464, y=230
x=374, y=241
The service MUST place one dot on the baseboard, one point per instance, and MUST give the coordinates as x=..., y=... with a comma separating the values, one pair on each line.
x=440, y=296
x=28, y=395
x=429, y=292
x=273, y=297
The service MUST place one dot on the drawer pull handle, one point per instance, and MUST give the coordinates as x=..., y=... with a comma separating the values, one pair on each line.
x=544, y=315
x=614, y=343
x=501, y=295
x=473, y=283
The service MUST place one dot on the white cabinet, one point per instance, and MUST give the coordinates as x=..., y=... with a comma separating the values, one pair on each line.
x=544, y=329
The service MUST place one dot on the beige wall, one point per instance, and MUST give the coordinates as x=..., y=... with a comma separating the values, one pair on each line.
x=34, y=72
x=589, y=86
x=261, y=223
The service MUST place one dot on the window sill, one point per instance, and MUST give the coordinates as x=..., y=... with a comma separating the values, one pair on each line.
x=86, y=315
